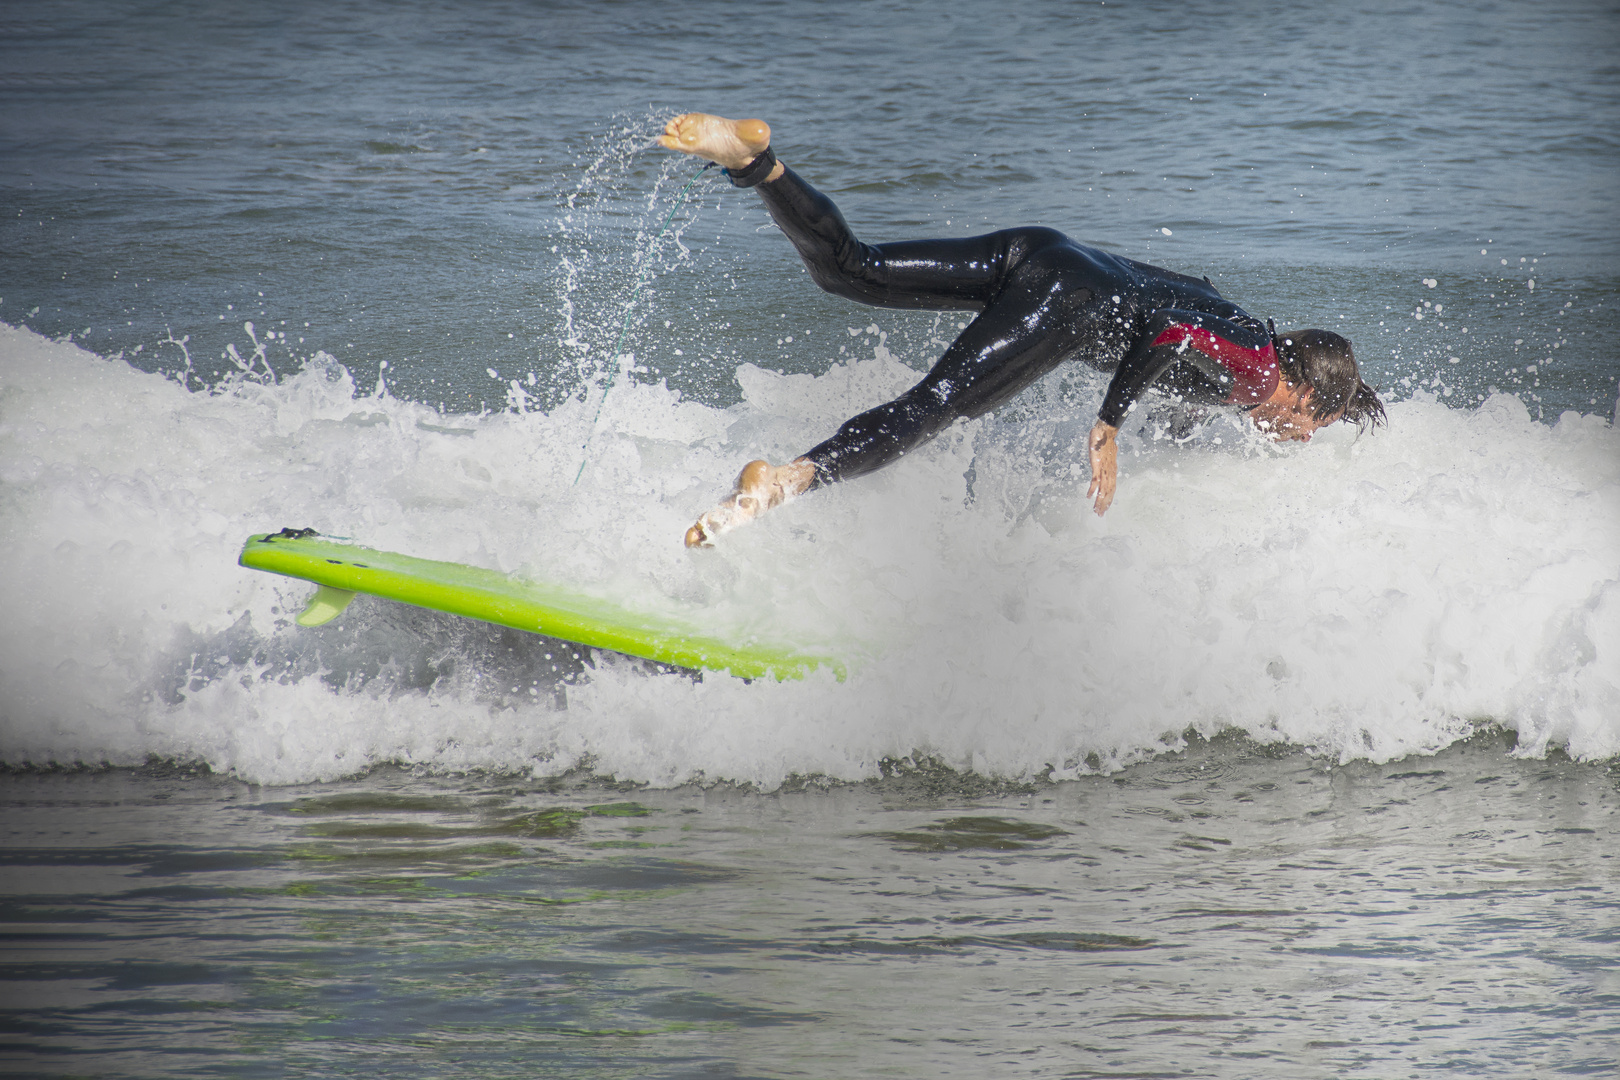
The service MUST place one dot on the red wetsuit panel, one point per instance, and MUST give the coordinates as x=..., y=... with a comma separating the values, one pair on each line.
x=1254, y=371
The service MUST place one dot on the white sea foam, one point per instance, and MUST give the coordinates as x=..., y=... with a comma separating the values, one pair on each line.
x=1369, y=597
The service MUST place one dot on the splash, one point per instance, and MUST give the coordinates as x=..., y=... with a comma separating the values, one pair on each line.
x=1363, y=597
x=614, y=209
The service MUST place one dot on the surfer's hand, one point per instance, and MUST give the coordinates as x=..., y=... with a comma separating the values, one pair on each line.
x=1104, y=465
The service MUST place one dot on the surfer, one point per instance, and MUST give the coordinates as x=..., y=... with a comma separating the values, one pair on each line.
x=1041, y=299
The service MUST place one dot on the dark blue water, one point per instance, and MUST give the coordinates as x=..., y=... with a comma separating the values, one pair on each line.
x=386, y=182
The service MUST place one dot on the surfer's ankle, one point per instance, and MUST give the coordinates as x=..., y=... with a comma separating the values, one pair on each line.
x=796, y=477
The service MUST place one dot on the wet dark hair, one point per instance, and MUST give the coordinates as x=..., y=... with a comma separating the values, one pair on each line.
x=1323, y=361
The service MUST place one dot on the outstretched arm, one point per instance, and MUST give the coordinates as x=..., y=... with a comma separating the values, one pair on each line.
x=1233, y=360
x=1104, y=465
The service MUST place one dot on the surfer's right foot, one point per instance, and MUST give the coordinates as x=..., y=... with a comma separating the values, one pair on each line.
x=731, y=144
x=760, y=487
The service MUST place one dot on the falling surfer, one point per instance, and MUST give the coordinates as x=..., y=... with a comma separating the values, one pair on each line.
x=1041, y=299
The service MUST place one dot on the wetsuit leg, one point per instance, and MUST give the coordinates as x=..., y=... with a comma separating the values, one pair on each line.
x=1015, y=279
x=961, y=274
x=1021, y=335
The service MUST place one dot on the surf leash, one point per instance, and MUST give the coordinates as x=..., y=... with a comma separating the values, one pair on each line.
x=629, y=309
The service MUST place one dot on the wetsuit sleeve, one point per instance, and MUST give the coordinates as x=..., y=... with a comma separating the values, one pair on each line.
x=1230, y=361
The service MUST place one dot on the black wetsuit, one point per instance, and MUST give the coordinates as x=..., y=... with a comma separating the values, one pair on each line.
x=1041, y=299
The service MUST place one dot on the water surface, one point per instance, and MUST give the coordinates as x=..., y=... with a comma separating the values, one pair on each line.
x=1222, y=912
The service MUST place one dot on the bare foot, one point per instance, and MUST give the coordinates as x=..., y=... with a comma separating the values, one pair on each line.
x=760, y=487
x=731, y=144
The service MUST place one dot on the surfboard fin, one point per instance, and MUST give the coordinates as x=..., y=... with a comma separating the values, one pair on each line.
x=327, y=604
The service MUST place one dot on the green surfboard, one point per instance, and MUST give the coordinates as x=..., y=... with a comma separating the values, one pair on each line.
x=342, y=570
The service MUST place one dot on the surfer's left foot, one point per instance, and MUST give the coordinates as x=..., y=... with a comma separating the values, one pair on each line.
x=731, y=144
x=761, y=486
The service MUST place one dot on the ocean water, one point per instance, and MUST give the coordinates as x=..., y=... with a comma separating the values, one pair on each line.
x=1298, y=763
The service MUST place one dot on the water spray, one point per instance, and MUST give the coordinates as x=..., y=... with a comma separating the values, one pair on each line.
x=624, y=327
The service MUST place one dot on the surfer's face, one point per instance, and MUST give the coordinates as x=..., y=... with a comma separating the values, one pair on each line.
x=1287, y=415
